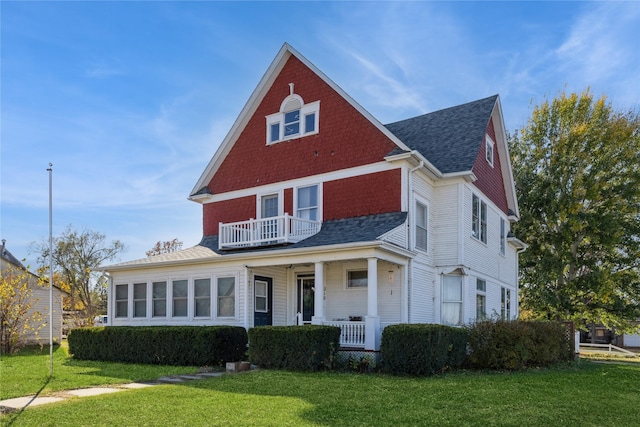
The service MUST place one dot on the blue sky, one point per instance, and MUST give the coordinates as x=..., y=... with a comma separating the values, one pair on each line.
x=129, y=100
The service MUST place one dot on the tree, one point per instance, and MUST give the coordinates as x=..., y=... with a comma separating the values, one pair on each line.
x=165, y=247
x=76, y=256
x=16, y=303
x=577, y=170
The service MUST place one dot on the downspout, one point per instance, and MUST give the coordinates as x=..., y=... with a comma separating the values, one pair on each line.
x=409, y=237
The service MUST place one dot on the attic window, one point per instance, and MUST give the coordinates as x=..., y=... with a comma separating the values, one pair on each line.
x=294, y=120
x=489, y=144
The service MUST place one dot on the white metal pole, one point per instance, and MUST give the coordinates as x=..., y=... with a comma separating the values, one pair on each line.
x=50, y=270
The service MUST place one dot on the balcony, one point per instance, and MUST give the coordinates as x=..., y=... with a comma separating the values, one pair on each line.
x=266, y=231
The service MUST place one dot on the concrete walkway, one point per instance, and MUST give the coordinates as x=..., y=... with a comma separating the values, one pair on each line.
x=19, y=403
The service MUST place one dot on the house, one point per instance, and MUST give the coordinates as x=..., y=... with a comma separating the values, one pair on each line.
x=40, y=295
x=315, y=212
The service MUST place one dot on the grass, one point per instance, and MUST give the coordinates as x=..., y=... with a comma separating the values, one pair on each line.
x=584, y=393
x=27, y=372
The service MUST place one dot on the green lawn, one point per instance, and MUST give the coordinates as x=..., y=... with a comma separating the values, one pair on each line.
x=27, y=372
x=583, y=394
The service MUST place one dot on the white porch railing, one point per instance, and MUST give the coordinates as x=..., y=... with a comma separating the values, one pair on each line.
x=265, y=231
x=352, y=333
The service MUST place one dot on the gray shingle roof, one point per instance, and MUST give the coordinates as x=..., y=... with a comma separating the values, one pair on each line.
x=349, y=230
x=449, y=138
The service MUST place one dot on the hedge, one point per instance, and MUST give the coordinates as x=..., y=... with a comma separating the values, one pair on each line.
x=512, y=345
x=422, y=349
x=163, y=345
x=299, y=348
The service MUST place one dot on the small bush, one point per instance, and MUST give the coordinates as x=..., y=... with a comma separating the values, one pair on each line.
x=163, y=345
x=422, y=349
x=299, y=348
x=512, y=345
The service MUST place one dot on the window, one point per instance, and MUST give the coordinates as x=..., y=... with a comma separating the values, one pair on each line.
x=505, y=304
x=226, y=296
x=481, y=299
x=357, y=279
x=503, y=236
x=261, y=296
x=479, y=219
x=202, y=297
x=421, y=226
x=308, y=203
x=294, y=120
x=180, y=292
x=139, y=300
x=451, y=300
x=489, y=150
x=159, y=297
x=122, y=300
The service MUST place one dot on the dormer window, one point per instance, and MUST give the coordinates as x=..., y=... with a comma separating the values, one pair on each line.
x=294, y=120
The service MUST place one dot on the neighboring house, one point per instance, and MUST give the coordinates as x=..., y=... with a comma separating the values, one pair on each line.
x=41, y=296
x=315, y=212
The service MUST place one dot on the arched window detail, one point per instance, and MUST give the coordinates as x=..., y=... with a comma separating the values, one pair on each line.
x=294, y=120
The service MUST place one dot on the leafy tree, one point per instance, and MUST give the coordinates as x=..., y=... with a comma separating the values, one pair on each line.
x=17, y=318
x=165, y=247
x=577, y=169
x=76, y=256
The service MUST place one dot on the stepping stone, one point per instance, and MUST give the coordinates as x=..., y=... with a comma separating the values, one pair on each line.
x=137, y=385
x=171, y=379
x=94, y=391
x=21, y=402
x=190, y=377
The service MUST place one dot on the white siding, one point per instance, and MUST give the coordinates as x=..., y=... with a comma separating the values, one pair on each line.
x=446, y=225
x=41, y=296
x=422, y=294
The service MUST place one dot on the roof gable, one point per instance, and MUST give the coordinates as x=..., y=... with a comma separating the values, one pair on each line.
x=450, y=139
x=255, y=111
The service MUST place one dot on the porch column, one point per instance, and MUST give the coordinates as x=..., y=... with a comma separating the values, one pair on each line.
x=318, y=301
x=372, y=320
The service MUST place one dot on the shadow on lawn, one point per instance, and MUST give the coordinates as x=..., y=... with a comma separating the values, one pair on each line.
x=14, y=416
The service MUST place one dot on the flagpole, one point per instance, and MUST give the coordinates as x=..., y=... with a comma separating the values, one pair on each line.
x=50, y=270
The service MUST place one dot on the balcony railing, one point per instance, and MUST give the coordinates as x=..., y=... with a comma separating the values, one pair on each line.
x=266, y=231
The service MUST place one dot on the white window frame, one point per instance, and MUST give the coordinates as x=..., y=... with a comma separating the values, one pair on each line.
x=305, y=110
x=154, y=299
x=489, y=150
x=195, y=298
x=478, y=218
x=318, y=207
x=125, y=300
x=505, y=304
x=420, y=201
x=186, y=297
x=278, y=193
x=265, y=296
x=235, y=295
x=459, y=302
x=144, y=300
x=347, y=281
x=481, y=290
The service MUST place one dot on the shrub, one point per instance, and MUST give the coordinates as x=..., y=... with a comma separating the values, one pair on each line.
x=516, y=344
x=300, y=348
x=165, y=345
x=422, y=349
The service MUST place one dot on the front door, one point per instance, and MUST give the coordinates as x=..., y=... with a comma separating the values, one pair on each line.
x=306, y=297
x=262, y=301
